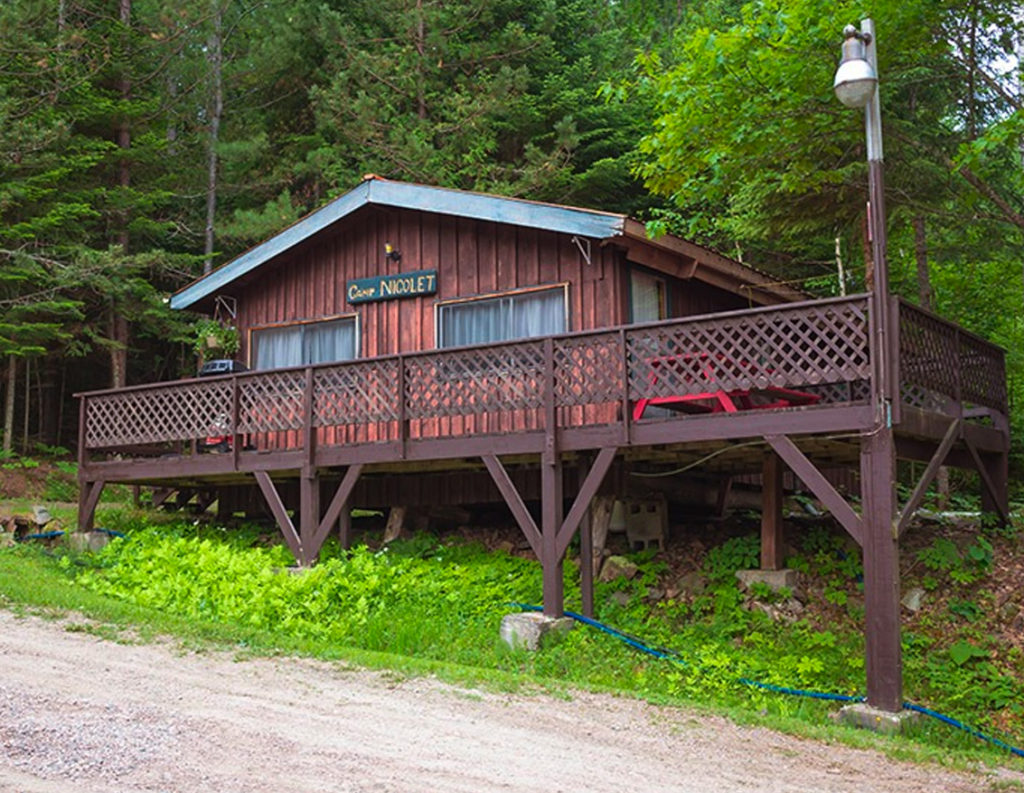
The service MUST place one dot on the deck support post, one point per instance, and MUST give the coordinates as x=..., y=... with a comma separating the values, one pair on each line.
x=88, y=497
x=550, y=542
x=551, y=522
x=309, y=514
x=772, y=553
x=994, y=473
x=883, y=663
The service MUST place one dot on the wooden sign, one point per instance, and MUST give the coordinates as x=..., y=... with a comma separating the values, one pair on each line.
x=390, y=287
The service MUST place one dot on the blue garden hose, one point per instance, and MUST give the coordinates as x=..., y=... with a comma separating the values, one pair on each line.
x=672, y=655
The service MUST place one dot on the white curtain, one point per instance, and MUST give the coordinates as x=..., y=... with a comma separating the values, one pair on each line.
x=311, y=342
x=647, y=297
x=503, y=318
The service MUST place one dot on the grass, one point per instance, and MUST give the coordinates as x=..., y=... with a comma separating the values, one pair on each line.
x=425, y=607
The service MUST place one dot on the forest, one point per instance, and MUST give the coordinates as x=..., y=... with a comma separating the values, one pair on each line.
x=143, y=143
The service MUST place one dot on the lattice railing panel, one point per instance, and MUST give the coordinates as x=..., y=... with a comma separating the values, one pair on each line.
x=784, y=348
x=942, y=365
x=476, y=381
x=588, y=370
x=166, y=413
x=928, y=355
x=354, y=393
x=271, y=401
x=982, y=373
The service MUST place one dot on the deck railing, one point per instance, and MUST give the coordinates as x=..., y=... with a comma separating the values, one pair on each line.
x=945, y=368
x=579, y=379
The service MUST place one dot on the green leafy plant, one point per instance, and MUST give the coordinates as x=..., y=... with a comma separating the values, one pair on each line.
x=211, y=334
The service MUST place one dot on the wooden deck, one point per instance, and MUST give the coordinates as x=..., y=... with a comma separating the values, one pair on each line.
x=811, y=385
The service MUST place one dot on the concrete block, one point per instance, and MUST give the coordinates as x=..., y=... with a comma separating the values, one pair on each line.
x=646, y=522
x=774, y=579
x=862, y=715
x=531, y=630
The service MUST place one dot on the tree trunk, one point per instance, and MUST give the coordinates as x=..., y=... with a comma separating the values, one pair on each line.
x=12, y=381
x=216, y=111
x=118, y=349
x=924, y=281
x=839, y=267
x=28, y=406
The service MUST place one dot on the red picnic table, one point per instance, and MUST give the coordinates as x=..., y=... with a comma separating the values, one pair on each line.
x=708, y=370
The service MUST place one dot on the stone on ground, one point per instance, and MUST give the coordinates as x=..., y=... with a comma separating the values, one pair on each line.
x=531, y=630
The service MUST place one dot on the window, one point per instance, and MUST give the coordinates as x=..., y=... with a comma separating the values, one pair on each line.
x=647, y=297
x=539, y=312
x=304, y=343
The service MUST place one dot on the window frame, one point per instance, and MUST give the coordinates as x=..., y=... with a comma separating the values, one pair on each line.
x=356, y=342
x=526, y=290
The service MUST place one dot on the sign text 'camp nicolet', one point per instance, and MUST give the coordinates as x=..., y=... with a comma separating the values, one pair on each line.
x=389, y=287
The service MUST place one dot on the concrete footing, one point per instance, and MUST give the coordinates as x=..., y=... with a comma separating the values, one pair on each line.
x=774, y=579
x=862, y=715
x=531, y=630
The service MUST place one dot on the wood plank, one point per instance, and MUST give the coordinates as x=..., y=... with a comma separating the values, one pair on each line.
x=772, y=548
x=819, y=485
x=88, y=497
x=339, y=503
x=284, y=521
x=930, y=471
x=997, y=498
x=588, y=489
x=515, y=502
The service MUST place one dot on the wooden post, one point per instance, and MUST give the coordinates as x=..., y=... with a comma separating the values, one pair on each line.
x=884, y=665
x=551, y=522
x=772, y=553
x=600, y=520
x=309, y=514
x=587, y=564
x=345, y=528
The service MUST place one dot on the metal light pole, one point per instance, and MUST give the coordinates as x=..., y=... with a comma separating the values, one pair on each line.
x=856, y=85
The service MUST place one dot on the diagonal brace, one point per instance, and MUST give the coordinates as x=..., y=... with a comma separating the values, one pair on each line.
x=588, y=489
x=515, y=502
x=903, y=520
x=819, y=485
x=337, y=504
x=284, y=522
x=986, y=481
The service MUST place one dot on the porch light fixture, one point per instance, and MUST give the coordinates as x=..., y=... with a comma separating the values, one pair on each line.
x=856, y=78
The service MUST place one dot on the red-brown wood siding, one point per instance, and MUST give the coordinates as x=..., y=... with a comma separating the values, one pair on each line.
x=472, y=258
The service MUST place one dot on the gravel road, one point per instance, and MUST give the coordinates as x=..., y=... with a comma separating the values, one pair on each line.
x=80, y=714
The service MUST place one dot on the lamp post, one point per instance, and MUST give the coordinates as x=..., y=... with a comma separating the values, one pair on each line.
x=856, y=85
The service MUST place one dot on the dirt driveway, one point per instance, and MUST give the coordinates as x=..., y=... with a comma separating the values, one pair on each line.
x=80, y=714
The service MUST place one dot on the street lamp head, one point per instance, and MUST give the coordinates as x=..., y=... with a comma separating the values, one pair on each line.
x=855, y=78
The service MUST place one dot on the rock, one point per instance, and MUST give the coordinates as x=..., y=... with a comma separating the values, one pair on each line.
x=773, y=579
x=913, y=599
x=617, y=567
x=41, y=515
x=793, y=606
x=93, y=541
x=531, y=630
x=655, y=594
x=692, y=584
x=506, y=546
x=619, y=599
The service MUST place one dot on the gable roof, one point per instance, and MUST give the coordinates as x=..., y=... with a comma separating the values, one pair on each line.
x=374, y=190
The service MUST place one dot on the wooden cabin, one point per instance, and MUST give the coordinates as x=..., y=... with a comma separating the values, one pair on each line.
x=413, y=345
